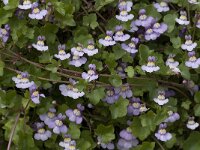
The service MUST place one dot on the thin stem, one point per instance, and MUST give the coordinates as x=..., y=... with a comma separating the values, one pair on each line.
x=162, y=148
x=13, y=131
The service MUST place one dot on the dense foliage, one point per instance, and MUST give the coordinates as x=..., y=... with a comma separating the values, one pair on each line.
x=99, y=74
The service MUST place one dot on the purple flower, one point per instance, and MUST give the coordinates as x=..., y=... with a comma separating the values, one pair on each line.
x=150, y=67
x=108, y=40
x=68, y=143
x=172, y=117
x=77, y=60
x=134, y=106
x=123, y=15
x=161, y=7
x=90, y=50
x=62, y=55
x=76, y=114
x=49, y=117
x=25, y=5
x=170, y=61
x=70, y=90
x=91, y=74
x=133, y=27
x=121, y=70
x=143, y=20
x=111, y=96
x=191, y=124
x=159, y=28
x=131, y=47
x=22, y=80
x=37, y=13
x=40, y=44
x=150, y=34
x=119, y=35
x=109, y=145
x=78, y=50
x=143, y=108
x=58, y=125
x=161, y=99
x=35, y=96
x=182, y=20
x=127, y=4
x=41, y=134
x=124, y=91
x=193, y=62
x=5, y=33
x=193, y=1
x=189, y=45
x=162, y=134
x=127, y=140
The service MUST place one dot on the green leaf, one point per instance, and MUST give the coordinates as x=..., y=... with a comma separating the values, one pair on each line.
x=106, y=133
x=90, y=20
x=169, y=19
x=2, y=64
x=145, y=146
x=60, y=7
x=176, y=42
x=139, y=131
x=74, y=130
x=192, y=142
x=171, y=142
x=184, y=71
x=45, y=57
x=130, y=71
x=52, y=68
x=115, y=80
x=101, y=3
x=197, y=110
x=4, y=16
x=119, y=109
x=96, y=95
x=197, y=97
x=186, y=104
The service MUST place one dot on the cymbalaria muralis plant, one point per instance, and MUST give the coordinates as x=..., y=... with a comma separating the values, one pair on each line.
x=99, y=74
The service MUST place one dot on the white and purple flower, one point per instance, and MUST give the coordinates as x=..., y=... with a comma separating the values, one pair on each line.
x=111, y=96
x=143, y=20
x=108, y=40
x=127, y=140
x=90, y=50
x=62, y=55
x=124, y=91
x=133, y=108
x=193, y=62
x=35, y=95
x=22, y=80
x=5, y=2
x=25, y=5
x=189, y=45
x=91, y=74
x=76, y=114
x=40, y=44
x=123, y=15
x=77, y=60
x=193, y=2
x=36, y=13
x=49, y=117
x=150, y=34
x=133, y=27
x=162, y=6
x=171, y=62
x=119, y=35
x=41, y=134
x=151, y=66
x=131, y=47
x=128, y=4
x=70, y=90
x=159, y=28
x=109, y=145
x=68, y=143
x=172, y=117
x=191, y=124
x=58, y=126
x=182, y=20
x=161, y=99
x=162, y=134
x=5, y=33
x=78, y=50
